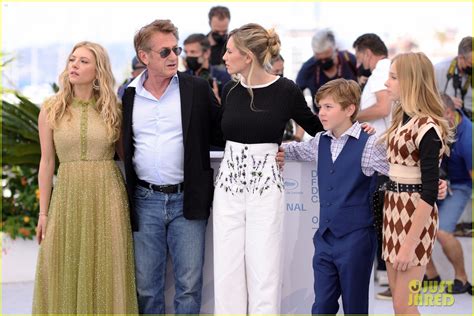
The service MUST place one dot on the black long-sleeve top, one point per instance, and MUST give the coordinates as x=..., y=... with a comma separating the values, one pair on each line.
x=274, y=105
x=430, y=146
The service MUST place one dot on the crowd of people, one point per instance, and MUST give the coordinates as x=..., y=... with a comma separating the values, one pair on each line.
x=105, y=240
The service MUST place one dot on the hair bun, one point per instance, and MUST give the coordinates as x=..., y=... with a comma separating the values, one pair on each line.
x=274, y=43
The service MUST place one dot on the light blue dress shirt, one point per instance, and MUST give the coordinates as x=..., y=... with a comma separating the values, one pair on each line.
x=158, y=133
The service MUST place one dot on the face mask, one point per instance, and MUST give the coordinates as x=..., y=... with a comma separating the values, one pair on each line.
x=326, y=64
x=193, y=63
x=220, y=39
x=361, y=71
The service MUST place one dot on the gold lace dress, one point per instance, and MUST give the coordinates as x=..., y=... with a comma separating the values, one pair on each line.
x=85, y=263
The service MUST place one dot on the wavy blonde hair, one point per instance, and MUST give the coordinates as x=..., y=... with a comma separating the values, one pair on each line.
x=419, y=95
x=106, y=101
x=264, y=45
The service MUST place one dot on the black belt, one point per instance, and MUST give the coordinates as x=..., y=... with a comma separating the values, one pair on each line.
x=167, y=188
x=400, y=187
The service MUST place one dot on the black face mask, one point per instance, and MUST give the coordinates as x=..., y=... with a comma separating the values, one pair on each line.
x=220, y=39
x=361, y=71
x=326, y=64
x=193, y=63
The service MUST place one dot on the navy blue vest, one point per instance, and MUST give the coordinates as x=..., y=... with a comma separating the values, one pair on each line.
x=344, y=190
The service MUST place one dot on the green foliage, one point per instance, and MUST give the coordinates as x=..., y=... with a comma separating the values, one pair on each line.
x=20, y=202
x=21, y=155
x=20, y=133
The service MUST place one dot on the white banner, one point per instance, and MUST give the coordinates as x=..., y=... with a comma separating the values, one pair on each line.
x=301, y=222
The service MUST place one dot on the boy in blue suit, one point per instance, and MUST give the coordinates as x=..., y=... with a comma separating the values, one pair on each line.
x=346, y=158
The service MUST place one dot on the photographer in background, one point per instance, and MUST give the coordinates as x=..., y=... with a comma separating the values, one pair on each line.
x=197, y=50
x=137, y=68
x=219, y=19
x=278, y=66
x=326, y=64
x=454, y=77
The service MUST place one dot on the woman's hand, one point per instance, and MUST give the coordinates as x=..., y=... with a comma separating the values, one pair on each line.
x=405, y=257
x=41, y=227
x=369, y=129
x=442, y=189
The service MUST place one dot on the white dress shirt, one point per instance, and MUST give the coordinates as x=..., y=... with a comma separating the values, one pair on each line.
x=376, y=83
x=158, y=133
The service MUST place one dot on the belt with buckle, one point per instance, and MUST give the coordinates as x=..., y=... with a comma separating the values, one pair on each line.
x=167, y=188
x=400, y=187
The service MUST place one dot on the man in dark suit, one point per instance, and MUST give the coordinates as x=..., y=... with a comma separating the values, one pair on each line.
x=169, y=121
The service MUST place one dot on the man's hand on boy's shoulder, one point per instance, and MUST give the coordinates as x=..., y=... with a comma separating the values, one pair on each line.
x=369, y=129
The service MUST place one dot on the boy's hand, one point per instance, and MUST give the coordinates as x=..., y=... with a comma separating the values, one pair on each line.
x=369, y=129
x=280, y=157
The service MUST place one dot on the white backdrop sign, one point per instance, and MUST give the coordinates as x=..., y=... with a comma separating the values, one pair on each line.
x=301, y=221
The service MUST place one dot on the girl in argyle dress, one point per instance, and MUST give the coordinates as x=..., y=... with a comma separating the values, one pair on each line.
x=416, y=141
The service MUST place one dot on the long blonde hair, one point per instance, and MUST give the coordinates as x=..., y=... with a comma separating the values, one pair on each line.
x=264, y=45
x=106, y=100
x=419, y=95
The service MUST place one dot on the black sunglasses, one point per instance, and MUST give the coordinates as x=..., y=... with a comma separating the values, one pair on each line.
x=165, y=52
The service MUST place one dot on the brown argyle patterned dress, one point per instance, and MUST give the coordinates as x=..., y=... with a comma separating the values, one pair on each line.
x=399, y=207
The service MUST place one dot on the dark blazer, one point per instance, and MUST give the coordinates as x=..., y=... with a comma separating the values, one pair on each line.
x=200, y=116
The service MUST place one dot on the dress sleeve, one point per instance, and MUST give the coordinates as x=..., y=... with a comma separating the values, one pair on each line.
x=303, y=151
x=429, y=149
x=303, y=115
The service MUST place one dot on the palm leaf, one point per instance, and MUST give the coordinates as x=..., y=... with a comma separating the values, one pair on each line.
x=19, y=133
x=28, y=108
x=27, y=160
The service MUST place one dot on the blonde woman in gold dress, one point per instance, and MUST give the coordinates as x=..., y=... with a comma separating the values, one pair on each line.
x=85, y=263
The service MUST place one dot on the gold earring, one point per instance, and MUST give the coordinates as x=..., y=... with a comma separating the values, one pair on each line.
x=95, y=84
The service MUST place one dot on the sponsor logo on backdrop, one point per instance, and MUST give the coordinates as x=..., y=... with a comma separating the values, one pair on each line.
x=290, y=184
x=292, y=187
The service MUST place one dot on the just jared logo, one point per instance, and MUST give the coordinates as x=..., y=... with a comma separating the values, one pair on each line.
x=430, y=293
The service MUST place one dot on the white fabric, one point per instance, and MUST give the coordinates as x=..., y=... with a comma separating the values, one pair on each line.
x=158, y=133
x=376, y=83
x=248, y=231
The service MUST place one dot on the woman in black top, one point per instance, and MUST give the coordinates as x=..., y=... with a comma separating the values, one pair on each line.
x=249, y=195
